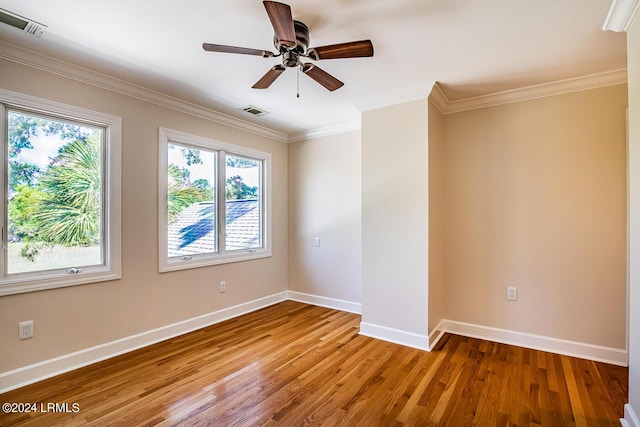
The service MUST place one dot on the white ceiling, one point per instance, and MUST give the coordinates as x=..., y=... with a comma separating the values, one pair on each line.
x=472, y=47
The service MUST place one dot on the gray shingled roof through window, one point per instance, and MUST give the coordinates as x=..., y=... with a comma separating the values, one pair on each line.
x=193, y=230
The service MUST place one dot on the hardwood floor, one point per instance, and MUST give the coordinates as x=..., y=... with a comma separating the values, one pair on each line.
x=293, y=364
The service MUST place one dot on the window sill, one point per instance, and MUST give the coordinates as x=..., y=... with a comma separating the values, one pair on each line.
x=176, y=264
x=20, y=285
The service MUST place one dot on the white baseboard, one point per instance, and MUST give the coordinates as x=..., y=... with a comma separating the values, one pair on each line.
x=436, y=334
x=610, y=355
x=336, y=304
x=630, y=418
x=48, y=368
x=395, y=336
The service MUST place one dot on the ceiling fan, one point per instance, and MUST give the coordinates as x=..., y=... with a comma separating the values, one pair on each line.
x=291, y=40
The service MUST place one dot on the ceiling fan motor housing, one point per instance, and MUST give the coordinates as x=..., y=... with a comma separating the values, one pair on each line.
x=291, y=57
x=302, y=39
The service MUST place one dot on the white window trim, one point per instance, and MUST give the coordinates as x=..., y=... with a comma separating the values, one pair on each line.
x=166, y=264
x=111, y=270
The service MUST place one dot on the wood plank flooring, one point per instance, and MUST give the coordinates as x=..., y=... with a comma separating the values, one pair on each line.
x=293, y=364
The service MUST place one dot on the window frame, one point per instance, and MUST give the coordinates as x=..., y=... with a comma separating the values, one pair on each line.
x=222, y=256
x=16, y=283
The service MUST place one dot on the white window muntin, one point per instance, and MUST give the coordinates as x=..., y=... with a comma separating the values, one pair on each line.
x=165, y=263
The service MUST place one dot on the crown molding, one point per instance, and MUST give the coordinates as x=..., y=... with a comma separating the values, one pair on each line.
x=325, y=131
x=446, y=106
x=52, y=65
x=434, y=92
x=394, y=97
x=439, y=99
x=621, y=14
x=576, y=84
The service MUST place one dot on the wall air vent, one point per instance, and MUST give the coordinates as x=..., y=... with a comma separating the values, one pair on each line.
x=32, y=27
x=253, y=110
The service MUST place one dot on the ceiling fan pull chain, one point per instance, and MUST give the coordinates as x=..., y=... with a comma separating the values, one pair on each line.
x=298, y=84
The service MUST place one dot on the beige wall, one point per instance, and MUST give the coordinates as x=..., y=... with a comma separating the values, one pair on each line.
x=437, y=216
x=324, y=188
x=529, y=194
x=75, y=318
x=395, y=217
x=535, y=196
x=633, y=69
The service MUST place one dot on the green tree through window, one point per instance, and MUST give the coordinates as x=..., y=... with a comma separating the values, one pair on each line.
x=54, y=193
x=69, y=212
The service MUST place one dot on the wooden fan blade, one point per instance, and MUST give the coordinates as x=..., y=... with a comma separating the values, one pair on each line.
x=321, y=76
x=359, y=49
x=233, y=49
x=282, y=22
x=266, y=80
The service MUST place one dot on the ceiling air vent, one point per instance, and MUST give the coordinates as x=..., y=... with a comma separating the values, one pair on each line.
x=22, y=23
x=254, y=110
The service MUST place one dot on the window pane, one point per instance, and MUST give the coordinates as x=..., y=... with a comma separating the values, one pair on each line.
x=55, y=192
x=243, y=203
x=191, y=208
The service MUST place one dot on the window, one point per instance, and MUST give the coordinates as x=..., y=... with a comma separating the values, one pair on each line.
x=214, y=202
x=60, y=184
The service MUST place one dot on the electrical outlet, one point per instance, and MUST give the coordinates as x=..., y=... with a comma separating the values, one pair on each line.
x=223, y=287
x=512, y=293
x=316, y=242
x=25, y=330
